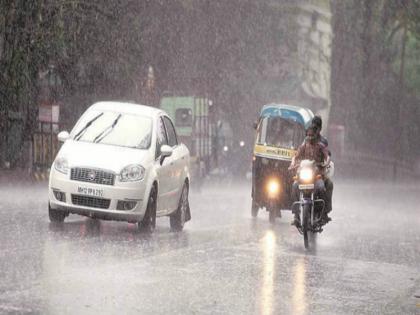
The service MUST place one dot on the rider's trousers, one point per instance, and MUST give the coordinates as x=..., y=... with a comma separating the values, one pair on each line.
x=329, y=187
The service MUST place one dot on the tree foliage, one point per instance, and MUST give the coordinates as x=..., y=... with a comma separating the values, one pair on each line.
x=241, y=53
x=102, y=50
x=367, y=86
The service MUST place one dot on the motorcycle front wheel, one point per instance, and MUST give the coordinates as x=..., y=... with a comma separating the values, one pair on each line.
x=305, y=224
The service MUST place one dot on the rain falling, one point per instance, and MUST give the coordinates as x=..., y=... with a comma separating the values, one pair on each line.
x=210, y=157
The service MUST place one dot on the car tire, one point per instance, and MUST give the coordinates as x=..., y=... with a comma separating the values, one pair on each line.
x=148, y=223
x=179, y=217
x=56, y=216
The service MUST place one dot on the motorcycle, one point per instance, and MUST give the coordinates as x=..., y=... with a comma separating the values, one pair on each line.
x=310, y=210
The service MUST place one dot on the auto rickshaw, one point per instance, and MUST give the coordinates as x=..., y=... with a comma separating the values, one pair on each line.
x=280, y=130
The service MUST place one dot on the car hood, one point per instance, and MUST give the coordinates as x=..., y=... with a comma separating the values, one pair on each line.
x=96, y=155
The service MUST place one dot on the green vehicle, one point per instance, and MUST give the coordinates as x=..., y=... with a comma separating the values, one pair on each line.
x=191, y=116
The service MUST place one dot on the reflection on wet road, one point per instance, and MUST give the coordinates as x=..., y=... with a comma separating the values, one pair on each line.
x=299, y=297
x=267, y=284
x=366, y=261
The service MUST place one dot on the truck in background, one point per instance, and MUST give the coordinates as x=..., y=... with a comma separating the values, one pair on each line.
x=195, y=126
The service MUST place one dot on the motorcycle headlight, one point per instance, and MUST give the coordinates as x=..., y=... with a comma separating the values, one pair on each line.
x=132, y=173
x=306, y=174
x=61, y=165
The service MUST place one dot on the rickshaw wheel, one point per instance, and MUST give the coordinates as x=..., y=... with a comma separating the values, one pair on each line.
x=272, y=214
x=254, y=210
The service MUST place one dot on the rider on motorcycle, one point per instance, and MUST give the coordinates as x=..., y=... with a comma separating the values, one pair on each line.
x=311, y=149
x=329, y=186
x=317, y=123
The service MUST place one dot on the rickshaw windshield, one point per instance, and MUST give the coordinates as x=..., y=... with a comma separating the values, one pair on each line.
x=279, y=132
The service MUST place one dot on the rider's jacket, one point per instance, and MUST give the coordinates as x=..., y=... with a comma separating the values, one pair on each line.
x=323, y=140
x=312, y=151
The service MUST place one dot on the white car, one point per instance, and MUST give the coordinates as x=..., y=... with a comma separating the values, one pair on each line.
x=121, y=162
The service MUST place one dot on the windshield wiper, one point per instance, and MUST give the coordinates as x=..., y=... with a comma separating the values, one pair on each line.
x=99, y=137
x=80, y=133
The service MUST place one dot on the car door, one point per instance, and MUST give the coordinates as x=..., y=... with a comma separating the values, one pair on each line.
x=163, y=170
x=176, y=164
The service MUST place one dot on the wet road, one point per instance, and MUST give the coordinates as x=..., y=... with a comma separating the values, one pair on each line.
x=367, y=261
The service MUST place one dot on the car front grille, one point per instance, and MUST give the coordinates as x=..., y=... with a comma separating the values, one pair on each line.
x=92, y=202
x=92, y=176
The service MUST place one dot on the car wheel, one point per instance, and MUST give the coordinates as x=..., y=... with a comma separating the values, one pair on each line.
x=56, y=216
x=177, y=220
x=148, y=223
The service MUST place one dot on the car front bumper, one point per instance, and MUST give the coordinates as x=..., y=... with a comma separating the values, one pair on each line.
x=98, y=201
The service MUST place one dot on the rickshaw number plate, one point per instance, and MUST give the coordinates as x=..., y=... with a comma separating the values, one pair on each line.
x=306, y=186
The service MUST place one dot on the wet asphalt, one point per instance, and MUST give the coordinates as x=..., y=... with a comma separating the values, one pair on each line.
x=367, y=260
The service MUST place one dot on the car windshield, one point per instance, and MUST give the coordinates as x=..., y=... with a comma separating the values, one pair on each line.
x=114, y=128
x=279, y=132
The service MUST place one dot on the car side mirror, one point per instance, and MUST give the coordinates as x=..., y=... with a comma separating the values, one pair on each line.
x=63, y=136
x=165, y=151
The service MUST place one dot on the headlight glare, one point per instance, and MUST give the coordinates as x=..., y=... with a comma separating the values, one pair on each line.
x=61, y=165
x=306, y=174
x=273, y=188
x=132, y=173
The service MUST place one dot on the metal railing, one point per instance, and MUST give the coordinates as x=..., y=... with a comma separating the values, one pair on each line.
x=45, y=145
x=356, y=164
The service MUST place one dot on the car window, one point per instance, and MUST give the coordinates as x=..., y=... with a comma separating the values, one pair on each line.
x=170, y=130
x=161, y=138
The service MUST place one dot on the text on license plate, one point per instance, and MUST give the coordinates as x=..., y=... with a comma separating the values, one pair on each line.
x=307, y=186
x=90, y=191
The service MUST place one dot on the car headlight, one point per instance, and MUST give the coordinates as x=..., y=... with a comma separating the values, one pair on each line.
x=132, y=173
x=61, y=165
x=306, y=174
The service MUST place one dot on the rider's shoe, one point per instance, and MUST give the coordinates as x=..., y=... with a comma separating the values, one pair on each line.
x=296, y=222
x=326, y=219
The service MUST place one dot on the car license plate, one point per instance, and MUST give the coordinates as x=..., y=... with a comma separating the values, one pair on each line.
x=306, y=186
x=90, y=191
